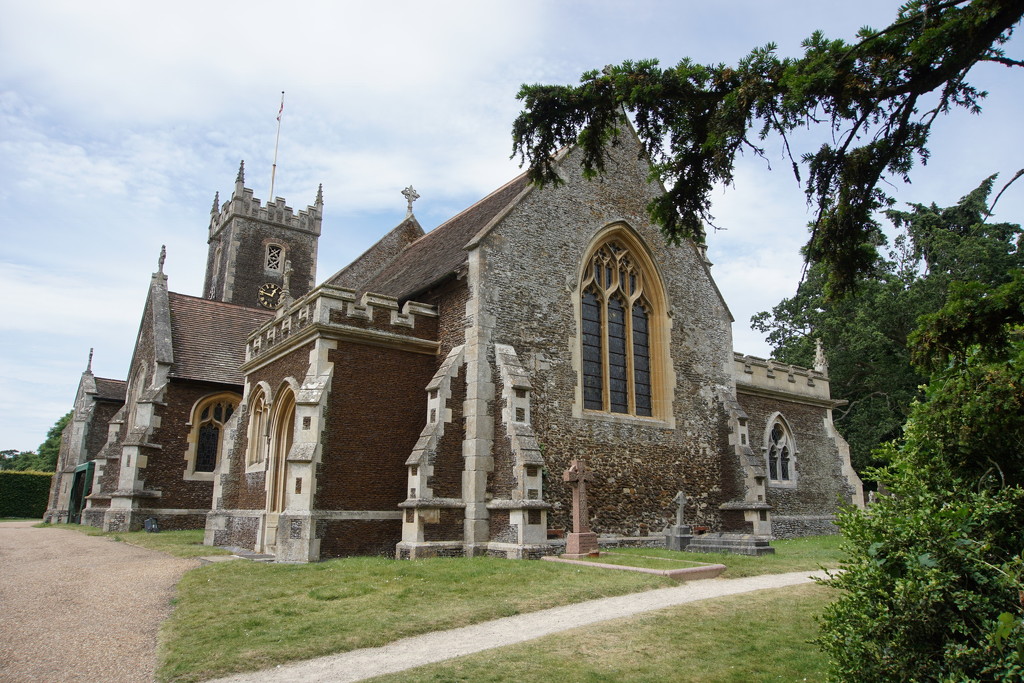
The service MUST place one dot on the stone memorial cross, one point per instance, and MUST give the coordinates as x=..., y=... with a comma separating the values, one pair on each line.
x=679, y=500
x=577, y=476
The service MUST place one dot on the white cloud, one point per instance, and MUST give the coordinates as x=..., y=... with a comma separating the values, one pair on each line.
x=119, y=121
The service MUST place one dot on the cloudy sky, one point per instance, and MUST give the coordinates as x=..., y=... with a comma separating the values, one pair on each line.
x=119, y=121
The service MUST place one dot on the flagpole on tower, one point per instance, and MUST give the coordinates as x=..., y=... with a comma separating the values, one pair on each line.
x=273, y=169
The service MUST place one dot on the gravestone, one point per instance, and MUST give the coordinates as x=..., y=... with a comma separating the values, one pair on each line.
x=679, y=536
x=582, y=541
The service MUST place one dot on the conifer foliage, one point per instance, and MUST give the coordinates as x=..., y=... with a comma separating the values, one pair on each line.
x=878, y=97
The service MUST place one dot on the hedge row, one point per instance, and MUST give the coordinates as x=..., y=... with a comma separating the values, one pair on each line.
x=24, y=494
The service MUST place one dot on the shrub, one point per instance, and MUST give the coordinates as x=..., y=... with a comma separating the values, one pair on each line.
x=24, y=494
x=932, y=588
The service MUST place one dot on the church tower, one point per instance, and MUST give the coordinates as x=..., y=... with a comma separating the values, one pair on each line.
x=257, y=252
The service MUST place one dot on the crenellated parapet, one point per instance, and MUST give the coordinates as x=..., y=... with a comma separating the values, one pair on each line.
x=771, y=377
x=337, y=311
x=276, y=211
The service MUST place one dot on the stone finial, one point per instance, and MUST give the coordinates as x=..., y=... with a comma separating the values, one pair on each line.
x=216, y=203
x=160, y=261
x=820, y=361
x=286, y=283
x=240, y=178
x=319, y=197
x=88, y=368
x=410, y=196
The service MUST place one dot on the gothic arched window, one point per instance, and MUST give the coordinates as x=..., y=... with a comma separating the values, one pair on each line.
x=206, y=440
x=781, y=453
x=617, y=309
x=259, y=413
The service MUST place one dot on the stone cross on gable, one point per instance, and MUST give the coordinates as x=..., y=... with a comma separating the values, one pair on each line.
x=410, y=196
x=577, y=476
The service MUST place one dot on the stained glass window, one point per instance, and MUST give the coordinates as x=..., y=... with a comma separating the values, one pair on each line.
x=615, y=338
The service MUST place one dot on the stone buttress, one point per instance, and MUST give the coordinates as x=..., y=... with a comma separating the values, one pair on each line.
x=336, y=373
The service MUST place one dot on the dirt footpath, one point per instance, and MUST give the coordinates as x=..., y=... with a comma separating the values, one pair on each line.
x=80, y=608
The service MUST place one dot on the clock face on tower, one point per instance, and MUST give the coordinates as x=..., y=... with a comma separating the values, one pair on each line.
x=268, y=295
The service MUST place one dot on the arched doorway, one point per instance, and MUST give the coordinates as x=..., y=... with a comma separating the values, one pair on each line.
x=282, y=433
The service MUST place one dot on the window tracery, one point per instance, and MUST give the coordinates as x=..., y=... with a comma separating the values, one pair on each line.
x=275, y=258
x=207, y=437
x=780, y=453
x=616, y=313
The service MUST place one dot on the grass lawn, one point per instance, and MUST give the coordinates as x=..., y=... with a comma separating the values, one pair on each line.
x=244, y=616
x=19, y=519
x=187, y=543
x=762, y=636
x=791, y=555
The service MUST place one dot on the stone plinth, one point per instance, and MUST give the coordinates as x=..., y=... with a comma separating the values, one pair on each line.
x=678, y=537
x=581, y=544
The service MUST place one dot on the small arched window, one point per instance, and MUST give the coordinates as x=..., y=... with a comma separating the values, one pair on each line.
x=259, y=413
x=781, y=453
x=206, y=440
x=275, y=258
x=616, y=313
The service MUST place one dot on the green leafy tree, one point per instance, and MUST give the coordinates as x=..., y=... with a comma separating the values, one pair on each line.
x=866, y=333
x=22, y=461
x=45, y=460
x=50, y=448
x=877, y=98
x=933, y=587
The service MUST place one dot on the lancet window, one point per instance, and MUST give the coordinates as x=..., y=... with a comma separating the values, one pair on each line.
x=780, y=453
x=616, y=315
x=259, y=435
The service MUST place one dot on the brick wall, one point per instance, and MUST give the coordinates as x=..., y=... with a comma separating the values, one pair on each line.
x=446, y=481
x=342, y=538
x=165, y=470
x=375, y=413
x=247, y=491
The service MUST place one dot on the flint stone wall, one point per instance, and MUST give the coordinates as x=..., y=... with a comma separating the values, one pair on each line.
x=530, y=280
x=808, y=508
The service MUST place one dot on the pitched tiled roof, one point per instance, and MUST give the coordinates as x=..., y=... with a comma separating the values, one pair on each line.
x=440, y=252
x=208, y=337
x=379, y=256
x=110, y=389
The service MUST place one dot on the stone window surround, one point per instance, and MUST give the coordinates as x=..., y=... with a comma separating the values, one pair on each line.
x=659, y=326
x=258, y=430
x=777, y=418
x=281, y=257
x=192, y=440
x=282, y=430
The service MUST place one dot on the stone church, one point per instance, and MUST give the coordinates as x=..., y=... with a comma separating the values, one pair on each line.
x=425, y=399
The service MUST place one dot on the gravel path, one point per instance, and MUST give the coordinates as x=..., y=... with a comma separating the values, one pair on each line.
x=439, y=646
x=80, y=608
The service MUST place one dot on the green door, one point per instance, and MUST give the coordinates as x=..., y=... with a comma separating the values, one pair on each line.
x=81, y=486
